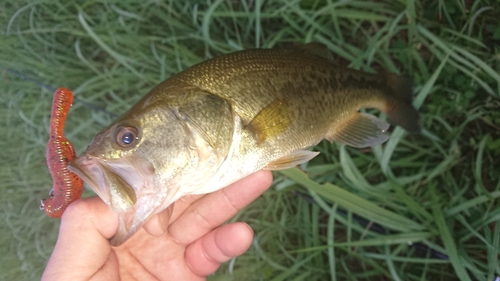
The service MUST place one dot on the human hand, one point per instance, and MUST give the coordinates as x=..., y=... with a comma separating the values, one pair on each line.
x=189, y=246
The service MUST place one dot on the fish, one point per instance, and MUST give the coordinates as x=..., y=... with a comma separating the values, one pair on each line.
x=228, y=117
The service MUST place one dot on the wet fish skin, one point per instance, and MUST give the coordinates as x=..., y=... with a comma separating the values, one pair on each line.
x=228, y=117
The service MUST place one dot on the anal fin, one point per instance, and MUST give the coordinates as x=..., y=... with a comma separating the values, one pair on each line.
x=291, y=160
x=362, y=130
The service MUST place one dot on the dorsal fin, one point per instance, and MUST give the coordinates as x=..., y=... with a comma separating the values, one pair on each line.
x=317, y=49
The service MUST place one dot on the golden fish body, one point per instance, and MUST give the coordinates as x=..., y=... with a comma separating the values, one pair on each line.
x=228, y=117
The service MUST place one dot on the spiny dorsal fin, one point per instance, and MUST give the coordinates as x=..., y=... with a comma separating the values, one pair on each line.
x=272, y=120
x=291, y=160
x=317, y=49
x=363, y=130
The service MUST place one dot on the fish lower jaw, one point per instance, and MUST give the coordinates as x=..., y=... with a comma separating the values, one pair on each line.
x=132, y=219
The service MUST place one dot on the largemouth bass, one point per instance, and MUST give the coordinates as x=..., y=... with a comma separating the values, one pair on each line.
x=223, y=119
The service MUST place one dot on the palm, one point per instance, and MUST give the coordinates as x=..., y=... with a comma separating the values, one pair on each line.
x=165, y=259
x=190, y=246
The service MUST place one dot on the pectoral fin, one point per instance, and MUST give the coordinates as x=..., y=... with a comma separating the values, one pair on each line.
x=291, y=160
x=271, y=120
x=362, y=130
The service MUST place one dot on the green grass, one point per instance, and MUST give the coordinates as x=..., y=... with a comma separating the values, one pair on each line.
x=387, y=213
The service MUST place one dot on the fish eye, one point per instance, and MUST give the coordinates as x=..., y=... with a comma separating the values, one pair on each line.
x=126, y=136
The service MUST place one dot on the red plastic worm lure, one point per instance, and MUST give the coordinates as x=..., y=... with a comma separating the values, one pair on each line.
x=67, y=187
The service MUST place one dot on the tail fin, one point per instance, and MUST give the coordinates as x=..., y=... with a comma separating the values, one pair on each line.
x=401, y=111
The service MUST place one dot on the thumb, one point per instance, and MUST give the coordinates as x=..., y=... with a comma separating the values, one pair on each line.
x=82, y=248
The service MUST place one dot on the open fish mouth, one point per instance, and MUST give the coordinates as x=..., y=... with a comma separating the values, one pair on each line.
x=127, y=188
x=108, y=181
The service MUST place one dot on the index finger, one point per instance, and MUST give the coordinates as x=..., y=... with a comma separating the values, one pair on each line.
x=216, y=208
x=82, y=247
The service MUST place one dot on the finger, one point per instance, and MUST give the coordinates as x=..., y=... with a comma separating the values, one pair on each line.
x=82, y=246
x=157, y=225
x=205, y=255
x=216, y=208
x=182, y=204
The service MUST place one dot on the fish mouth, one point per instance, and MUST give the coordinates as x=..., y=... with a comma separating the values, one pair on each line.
x=125, y=185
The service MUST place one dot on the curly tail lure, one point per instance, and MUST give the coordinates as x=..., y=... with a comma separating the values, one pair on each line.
x=67, y=186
